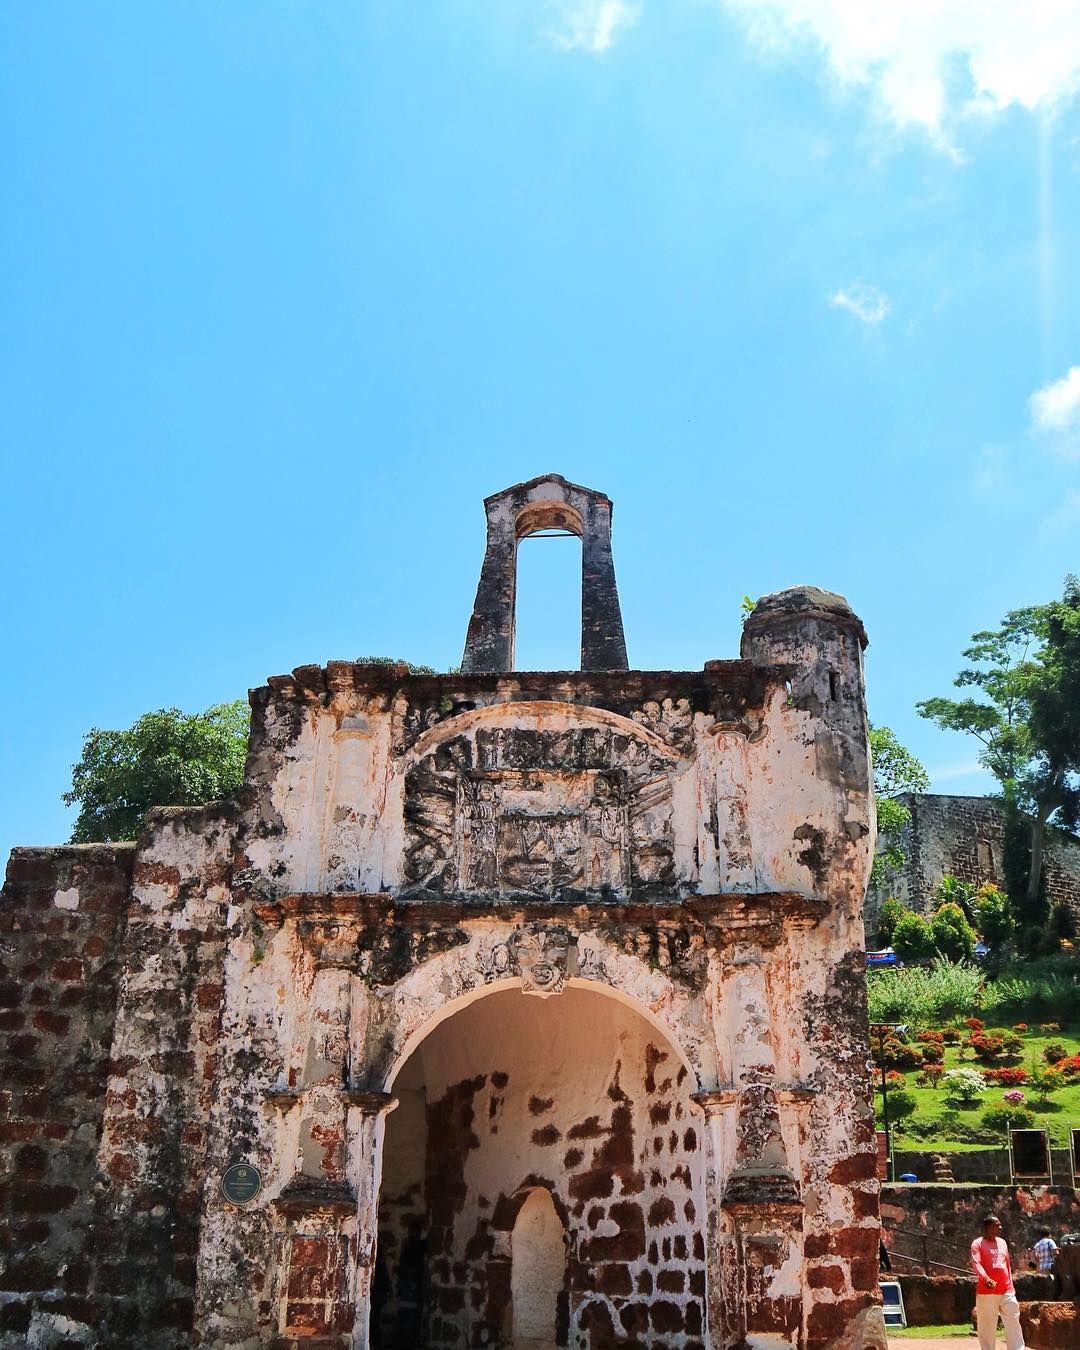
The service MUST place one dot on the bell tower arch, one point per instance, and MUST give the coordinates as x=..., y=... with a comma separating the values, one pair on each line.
x=546, y=503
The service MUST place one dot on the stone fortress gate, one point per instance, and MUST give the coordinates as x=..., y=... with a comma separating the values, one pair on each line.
x=499, y=1009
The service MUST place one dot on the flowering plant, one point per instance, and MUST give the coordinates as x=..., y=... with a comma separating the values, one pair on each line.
x=962, y=1086
x=1015, y=1097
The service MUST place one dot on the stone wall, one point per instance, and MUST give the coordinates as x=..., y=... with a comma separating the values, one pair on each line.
x=963, y=837
x=62, y=922
x=943, y=1300
x=950, y=1217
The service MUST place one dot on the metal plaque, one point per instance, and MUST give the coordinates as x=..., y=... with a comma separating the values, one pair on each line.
x=240, y=1183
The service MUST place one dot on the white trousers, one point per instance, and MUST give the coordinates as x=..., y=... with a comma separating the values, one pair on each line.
x=988, y=1307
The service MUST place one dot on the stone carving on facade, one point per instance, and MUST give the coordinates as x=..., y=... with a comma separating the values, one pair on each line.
x=538, y=953
x=670, y=719
x=528, y=812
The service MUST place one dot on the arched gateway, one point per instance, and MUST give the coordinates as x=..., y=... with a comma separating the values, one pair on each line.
x=527, y=1007
x=546, y=1156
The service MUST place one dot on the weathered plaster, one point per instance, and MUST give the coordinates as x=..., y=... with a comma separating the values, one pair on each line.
x=638, y=864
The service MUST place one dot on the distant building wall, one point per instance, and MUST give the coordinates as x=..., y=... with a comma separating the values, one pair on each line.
x=964, y=837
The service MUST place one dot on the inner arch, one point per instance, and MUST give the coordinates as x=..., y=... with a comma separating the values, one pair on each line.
x=576, y=1094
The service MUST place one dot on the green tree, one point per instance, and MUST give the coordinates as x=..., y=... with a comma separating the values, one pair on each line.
x=889, y=914
x=953, y=936
x=1026, y=675
x=167, y=758
x=902, y=1103
x=913, y=939
x=896, y=770
x=952, y=891
x=994, y=918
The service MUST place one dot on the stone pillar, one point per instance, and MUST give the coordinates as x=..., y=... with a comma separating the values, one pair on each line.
x=365, y=1142
x=319, y=1204
x=735, y=858
x=489, y=644
x=761, y=1194
x=603, y=645
x=717, y=1106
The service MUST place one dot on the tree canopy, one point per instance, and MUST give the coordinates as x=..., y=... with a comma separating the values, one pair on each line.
x=896, y=770
x=166, y=758
x=1025, y=713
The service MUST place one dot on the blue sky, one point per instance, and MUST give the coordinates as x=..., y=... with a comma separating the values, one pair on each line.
x=289, y=288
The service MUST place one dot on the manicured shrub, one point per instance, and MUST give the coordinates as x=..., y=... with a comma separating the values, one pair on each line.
x=1012, y=1076
x=988, y=1049
x=896, y=1054
x=931, y=1076
x=1045, y=1081
x=930, y=1037
x=902, y=1104
x=933, y=1053
x=1055, y=1052
x=1048, y=1028
x=952, y=1036
x=1006, y=1116
x=1020, y=1026
x=974, y=1024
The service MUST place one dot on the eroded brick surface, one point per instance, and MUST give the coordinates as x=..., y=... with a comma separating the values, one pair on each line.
x=528, y=996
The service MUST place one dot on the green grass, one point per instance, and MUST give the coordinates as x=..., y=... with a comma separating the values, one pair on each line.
x=927, y=1333
x=1062, y=1108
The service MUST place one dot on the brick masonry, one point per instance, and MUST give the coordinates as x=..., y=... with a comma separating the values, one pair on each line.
x=962, y=837
x=675, y=859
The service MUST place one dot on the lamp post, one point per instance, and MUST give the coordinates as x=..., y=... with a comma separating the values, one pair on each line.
x=880, y=1030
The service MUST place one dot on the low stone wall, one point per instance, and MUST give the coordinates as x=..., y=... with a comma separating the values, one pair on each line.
x=987, y=1166
x=948, y=1217
x=1051, y=1326
x=937, y=1300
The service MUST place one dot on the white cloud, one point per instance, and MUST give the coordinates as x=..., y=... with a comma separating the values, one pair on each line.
x=1067, y=515
x=593, y=25
x=927, y=62
x=1055, y=414
x=991, y=472
x=867, y=303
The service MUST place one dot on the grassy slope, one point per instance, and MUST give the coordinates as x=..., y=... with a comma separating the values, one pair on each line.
x=1062, y=1108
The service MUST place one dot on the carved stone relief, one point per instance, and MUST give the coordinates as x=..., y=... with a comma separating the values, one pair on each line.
x=539, y=953
x=525, y=812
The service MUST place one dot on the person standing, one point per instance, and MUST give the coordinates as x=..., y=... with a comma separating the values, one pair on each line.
x=995, y=1294
x=1046, y=1250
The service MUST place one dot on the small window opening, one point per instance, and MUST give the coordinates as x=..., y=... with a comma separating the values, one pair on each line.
x=547, y=610
x=834, y=685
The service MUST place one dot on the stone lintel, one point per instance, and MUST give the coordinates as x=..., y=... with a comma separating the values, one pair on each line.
x=753, y=1191
x=282, y=1098
x=731, y=688
x=311, y=1195
x=736, y=912
x=370, y=1102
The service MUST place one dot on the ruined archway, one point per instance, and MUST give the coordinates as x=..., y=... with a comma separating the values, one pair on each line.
x=577, y=1098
